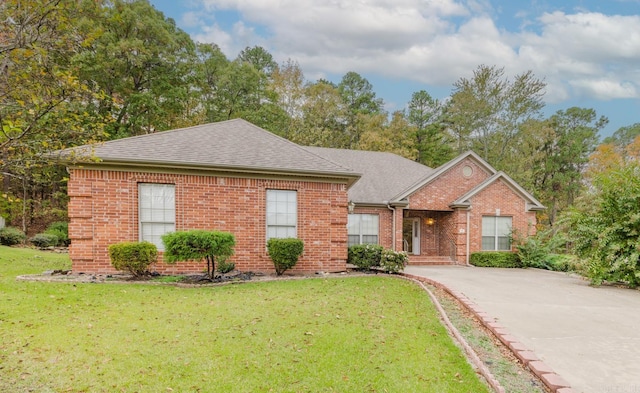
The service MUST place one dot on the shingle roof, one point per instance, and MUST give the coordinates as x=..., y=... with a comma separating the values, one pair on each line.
x=228, y=145
x=384, y=175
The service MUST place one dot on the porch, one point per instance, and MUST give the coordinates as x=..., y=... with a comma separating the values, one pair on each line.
x=429, y=237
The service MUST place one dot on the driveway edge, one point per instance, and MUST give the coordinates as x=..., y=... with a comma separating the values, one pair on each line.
x=471, y=354
x=554, y=382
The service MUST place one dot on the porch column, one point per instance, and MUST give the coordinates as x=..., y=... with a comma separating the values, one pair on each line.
x=397, y=228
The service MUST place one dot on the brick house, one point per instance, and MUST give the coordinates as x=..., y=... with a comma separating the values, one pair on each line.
x=236, y=177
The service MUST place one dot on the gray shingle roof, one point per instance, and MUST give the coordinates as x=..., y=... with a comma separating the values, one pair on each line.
x=228, y=145
x=384, y=175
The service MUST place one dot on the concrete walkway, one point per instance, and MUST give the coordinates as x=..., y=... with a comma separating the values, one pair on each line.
x=590, y=336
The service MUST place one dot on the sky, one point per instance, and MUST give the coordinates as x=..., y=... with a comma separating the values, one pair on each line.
x=587, y=51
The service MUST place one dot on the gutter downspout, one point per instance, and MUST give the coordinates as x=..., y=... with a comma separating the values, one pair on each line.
x=468, y=237
x=393, y=226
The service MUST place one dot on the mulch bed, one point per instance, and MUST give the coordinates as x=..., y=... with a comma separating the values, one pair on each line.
x=187, y=280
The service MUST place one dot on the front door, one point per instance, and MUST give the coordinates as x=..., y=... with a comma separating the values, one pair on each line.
x=411, y=235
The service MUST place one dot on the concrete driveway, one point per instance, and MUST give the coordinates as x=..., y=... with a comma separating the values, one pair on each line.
x=590, y=336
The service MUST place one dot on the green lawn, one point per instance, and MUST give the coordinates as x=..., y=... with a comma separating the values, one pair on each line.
x=364, y=334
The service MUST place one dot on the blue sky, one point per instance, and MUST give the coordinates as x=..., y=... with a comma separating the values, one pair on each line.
x=588, y=52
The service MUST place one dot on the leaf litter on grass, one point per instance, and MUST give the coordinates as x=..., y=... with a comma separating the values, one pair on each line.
x=502, y=363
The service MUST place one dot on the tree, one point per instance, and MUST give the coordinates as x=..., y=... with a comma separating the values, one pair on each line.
x=571, y=136
x=487, y=111
x=259, y=58
x=209, y=67
x=359, y=98
x=607, y=231
x=323, y=117
x=624, y=135
x=141, y=60
x=393, y=136
x=432, y=142
x=42, y=101
x=198, y=245
x=288, y=83
x=606, y=157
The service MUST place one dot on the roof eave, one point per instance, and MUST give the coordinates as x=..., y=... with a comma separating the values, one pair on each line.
x=460, y=205
x=535, y=208
x=350, y=178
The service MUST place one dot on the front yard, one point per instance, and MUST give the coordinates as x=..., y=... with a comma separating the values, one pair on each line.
x=367, y=334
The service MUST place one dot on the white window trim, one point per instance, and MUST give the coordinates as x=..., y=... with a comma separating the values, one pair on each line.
x=496, y=236
x=142, y=222
x=360, y=234
x=268, y=225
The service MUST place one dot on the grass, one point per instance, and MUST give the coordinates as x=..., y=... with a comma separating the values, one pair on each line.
x=513, y=377
x=365, y=334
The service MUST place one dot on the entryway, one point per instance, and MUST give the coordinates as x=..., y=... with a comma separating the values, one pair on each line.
x=411, y=235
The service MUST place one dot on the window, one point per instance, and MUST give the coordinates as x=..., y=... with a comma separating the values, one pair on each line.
x=157, y=211
x=496, y=233
x=362, y=229
x=282, y=213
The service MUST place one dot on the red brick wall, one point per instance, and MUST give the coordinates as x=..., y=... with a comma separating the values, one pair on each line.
x=448, y=187
x=433, y=200
x=103, y=209
x=486, y=203
x=385, y=223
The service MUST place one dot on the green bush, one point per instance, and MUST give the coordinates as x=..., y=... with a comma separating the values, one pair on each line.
x=365, y=256
x=61, y=230
x=537, y=251
x=11, y=236
x=393, y=261
x=225, y=267
x=133, y=257
x=495, y=259
x=606, y=231
x=284, y=253
x=198, y=245
x=44, y=240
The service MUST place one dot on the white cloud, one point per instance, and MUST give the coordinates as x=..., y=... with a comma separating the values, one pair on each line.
x=436, y=42
x=605, y=88
x=190, y=19
x=588, y=55
x=214, y=34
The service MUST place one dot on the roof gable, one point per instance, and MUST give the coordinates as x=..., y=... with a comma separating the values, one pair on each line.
x=233, y=145
x=465, y=200
x=404, y=194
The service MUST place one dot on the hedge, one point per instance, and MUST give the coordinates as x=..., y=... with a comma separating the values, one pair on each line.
x=495, y=259
x=133, y=257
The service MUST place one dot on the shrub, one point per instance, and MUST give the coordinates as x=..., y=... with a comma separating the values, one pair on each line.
x=284, y=253
x=393, y=261
x=225, y=267
x=605, y=231
x=61, y=230
x=495, y=259
x=198, y=245
x=133, y=257
x=11, y=236
x=365, y=256
x=44, y=240
x=532, y=253
x=537, y=251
